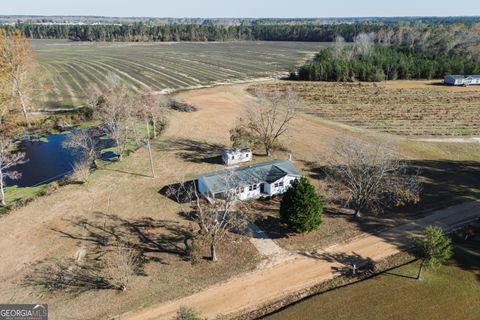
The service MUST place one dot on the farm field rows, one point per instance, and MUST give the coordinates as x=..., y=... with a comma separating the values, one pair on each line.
x=425, y=110
x=164, y=67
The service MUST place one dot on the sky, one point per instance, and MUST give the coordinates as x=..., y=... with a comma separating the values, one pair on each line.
x=241, y=8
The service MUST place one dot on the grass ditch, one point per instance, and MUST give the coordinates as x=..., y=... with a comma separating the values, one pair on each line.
x=451, y=292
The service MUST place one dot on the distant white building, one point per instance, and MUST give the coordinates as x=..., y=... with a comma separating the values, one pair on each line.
x=250, y=182
x=455, y=80
x=236, y=156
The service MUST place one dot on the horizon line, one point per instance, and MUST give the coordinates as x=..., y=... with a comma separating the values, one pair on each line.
x=250, y=18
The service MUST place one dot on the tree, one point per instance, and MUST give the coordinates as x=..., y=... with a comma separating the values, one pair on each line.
x=115, y=111
x=8, y=159
x=151, y=110
x=339, y=46
x=301, y=208
x=268, y=119
x=87, y=142
x=217, y=217
x=370, y=174
x=434, y=249
x=120, y=265
x=186, y=313
x=364, y=43
x=18, y=66
x=81, y=171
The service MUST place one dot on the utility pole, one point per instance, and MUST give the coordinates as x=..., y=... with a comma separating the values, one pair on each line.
x=149, y=147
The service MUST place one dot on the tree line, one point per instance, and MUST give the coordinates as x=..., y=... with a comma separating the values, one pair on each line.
x=192, y=32
x=386, y=63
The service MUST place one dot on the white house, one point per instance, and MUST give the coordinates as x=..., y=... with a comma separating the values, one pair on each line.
x=235, y=156
x=250, y=182
x=455, y=80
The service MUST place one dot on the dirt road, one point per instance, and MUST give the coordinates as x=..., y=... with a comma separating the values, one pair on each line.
x=252, y=290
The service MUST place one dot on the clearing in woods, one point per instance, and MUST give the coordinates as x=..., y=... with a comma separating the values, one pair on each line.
x=163, y=67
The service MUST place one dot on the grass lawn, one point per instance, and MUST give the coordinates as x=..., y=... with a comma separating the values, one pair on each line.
x=453, y=292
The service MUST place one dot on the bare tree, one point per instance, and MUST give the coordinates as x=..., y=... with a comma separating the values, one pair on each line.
x=4, y=97
x=339, y=47
x=8, y=159
x=18, y=66
x=87, y=142
x=115, y=111
x=364, y=43
x=370, y=174
x=268, y=118
x=112, y=269
x=151, y=110
x=120, y=266
x=81, y=171
x=218, y=216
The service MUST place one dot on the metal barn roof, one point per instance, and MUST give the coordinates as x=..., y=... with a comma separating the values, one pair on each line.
x=244, y=176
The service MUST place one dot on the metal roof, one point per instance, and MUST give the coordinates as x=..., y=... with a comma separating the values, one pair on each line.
x=463, y=77
x=236, y=151
x=244, y=176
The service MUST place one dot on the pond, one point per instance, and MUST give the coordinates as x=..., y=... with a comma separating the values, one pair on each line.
x=48, y=160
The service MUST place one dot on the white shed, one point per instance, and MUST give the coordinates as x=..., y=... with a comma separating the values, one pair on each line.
x=236, y=156
x=456, y=80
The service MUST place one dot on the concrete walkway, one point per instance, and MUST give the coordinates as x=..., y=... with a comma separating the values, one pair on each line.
x=250, y=291
x=265, y=246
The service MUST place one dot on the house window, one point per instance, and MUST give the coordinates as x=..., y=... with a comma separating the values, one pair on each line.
x=276, y=185
x=239, y=190
x=252, y=187
x=280, y=184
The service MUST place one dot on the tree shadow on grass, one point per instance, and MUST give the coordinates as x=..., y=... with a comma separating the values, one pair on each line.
x=194, y=151
x=344, y=262
x=466, y=251
x=444, y=183
x=149, y=237
x=181, y=192
x=132, y=243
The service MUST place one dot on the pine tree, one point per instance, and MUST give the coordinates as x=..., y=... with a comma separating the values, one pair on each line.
x=301, y=209
x=434, y=249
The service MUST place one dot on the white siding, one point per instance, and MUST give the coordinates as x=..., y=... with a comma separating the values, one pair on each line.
x=244, y=193
x=236, y=157
x=277, y=187
x=201, y=187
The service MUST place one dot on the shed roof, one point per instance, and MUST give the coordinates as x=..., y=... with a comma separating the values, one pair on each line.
x=475, y=76
x=236, y=151
x=244, y=176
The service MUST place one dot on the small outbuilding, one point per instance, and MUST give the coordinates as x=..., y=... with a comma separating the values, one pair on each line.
x=236, y=156
x=456, y=80
x=250, y=182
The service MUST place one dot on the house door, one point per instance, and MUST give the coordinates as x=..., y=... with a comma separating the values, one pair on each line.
x=262, y=188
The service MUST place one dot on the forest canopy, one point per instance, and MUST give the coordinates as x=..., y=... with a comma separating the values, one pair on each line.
x=385, y=63
x=415, y=51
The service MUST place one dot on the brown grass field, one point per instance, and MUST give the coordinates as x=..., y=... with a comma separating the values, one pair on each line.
x=410, y=108
x=121, y=200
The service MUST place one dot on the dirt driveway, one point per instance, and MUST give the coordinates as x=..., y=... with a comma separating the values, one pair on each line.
x=251, y=291
x=55, y=226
